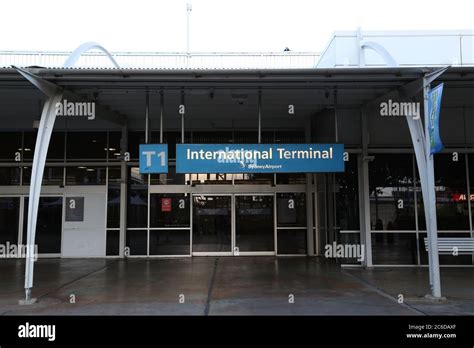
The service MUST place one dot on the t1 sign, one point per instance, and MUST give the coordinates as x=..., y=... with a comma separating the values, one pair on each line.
x=153, y=158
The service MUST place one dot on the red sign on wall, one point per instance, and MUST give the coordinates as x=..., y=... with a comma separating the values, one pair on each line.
x=166, y=204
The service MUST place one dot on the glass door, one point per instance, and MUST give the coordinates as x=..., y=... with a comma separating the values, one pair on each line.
x=212, y=224
x=254, y=224
x=48, y=225
x=9, y=220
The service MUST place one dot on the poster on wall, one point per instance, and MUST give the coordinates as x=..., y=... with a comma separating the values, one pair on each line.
x=166, y=205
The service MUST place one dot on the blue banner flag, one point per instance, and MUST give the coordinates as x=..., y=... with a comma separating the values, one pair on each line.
x=434, y=107
x=153, y=158
x=259, y=158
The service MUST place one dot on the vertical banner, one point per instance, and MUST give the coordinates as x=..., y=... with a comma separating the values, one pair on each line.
x=434, y=107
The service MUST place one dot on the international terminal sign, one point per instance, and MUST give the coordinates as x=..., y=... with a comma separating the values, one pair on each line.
x=259, y=158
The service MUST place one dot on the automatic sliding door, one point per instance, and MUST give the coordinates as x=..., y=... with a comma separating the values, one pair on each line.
x=254, y=223
x=212, y=224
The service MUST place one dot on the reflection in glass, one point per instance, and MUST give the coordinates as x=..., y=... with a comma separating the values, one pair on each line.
x=394, y=248
x=10, y=176
x=10, y=143
x=291, y=209
x=137, y=210
x=347, y=196
x=52, y=176
x=254, y=226
x=9, y=219
x=85, y=175
x=169, y=242
x=55, y=148
x=392, y=192
x=136, y=241
x=451, y=192
x=170, y=178
x=112, y=246
x=291, y=241
x=212, y=219
x=48, y=226
x=169, y=210
x=86, y=146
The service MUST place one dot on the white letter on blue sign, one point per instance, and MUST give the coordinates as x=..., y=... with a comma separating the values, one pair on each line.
x=148, y=155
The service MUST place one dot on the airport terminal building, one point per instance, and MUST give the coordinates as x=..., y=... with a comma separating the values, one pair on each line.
x=97, y=201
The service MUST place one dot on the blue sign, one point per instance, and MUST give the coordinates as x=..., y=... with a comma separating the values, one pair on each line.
x=153, y=158
x=259, y=158
x=434, y=107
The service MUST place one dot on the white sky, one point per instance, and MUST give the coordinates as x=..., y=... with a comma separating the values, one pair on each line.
x=216, y=26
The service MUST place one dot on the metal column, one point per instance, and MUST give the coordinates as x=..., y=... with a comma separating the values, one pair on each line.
x=364, y=194
x=309, y=197
x=123, y=192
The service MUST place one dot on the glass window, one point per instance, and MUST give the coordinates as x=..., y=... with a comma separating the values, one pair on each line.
x=210, y=179
x=113, y=198
x=170, y=178
x=392, y=192
x=86, y=146
x=246, y=137
x=291, y=241
x=51, y=176
x=10, y=143
x=85, y=175
x=347, y=196
x=471, y=184
x=352, y=240
x=394, y=248
x=9, y=219
x=254, y=223
x=137, y=212
x=113, y=206
x=10, y=176
x=48, y=226
x=134, y=141
x=113, y=150
x=291, y=209
x=290, y=137
x=55, y=148
x=212, y=223
x=451, y=193
x=291, y=178
x=112, y=243
x=170, y=242
x=169, y=210
x=257, y=179
x=137, y=242
x=212, y=137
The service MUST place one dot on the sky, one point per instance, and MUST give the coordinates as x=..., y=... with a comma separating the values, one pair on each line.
x=215, y=25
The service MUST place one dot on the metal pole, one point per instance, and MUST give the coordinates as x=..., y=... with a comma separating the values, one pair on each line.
x=147, y=118
x=188, y=15
x=182, y=118
x=259, y=116
x=432, y=229
x=123, y=191
x=162, y=99
x=309, y=197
